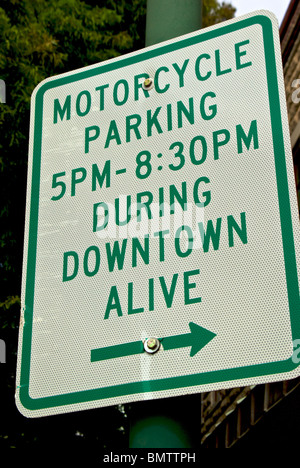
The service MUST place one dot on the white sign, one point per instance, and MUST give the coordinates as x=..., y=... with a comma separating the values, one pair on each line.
x=162, y=236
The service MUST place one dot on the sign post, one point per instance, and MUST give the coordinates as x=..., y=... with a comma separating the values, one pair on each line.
x=157, y=423
x=167, y=19
x=162, y=235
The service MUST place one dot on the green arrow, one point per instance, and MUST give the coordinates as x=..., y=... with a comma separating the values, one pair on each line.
x=111, y=352
x=197, y=339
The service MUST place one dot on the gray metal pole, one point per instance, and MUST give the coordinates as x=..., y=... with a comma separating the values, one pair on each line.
x=167, y=19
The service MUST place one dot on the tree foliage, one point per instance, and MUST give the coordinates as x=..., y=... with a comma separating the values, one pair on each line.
x=38, y=39
x=214, y=12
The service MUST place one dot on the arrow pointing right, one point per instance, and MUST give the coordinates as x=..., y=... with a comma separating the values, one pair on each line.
x=197, y=339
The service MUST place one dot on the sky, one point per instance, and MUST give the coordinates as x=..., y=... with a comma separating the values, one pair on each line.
x=278, y=7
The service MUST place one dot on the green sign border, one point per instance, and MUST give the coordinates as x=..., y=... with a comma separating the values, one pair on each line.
x=285, y=217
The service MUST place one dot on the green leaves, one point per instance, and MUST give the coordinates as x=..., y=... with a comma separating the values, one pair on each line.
x=10, y=300
x=214, y=12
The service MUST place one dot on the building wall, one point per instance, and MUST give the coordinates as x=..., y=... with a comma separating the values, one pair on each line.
x=231, y=418
x=292, y=83
x=291, y=67
x=290, y=46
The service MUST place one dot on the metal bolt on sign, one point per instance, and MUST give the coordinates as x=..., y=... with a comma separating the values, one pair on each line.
x=152, y=345
x=148, y=84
